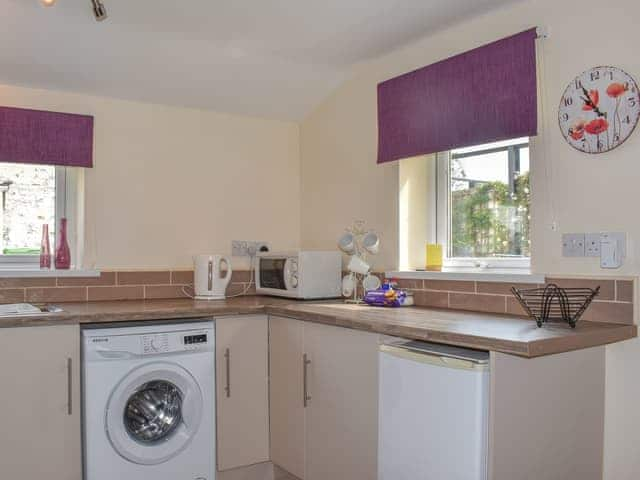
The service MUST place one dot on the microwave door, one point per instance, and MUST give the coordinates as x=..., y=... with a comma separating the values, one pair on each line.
x=291, y=274
x=272, y=273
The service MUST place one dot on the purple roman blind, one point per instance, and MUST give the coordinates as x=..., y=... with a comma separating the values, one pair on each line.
x=47, y=138
x=480, y=96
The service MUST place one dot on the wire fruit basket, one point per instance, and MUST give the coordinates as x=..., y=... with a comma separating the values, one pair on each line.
x=552, y=303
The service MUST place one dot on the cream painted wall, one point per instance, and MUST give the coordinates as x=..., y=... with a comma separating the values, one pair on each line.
x=416, y=209
x=172, y=182
x=340, y=180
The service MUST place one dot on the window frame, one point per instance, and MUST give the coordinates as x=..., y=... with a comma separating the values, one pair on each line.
x=67, y=182
x=442, y=200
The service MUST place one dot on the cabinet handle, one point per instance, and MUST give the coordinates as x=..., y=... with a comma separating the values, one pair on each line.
x=227, y=358
x=69, y=386
x=305, y=393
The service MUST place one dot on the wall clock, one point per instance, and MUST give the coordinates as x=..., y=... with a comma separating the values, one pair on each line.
x=599, y=109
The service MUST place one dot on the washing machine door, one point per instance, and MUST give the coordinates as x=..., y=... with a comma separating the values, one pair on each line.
x=154, y=413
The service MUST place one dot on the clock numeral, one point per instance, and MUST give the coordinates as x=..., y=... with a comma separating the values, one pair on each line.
x=627, y=120
x=568, y=101
x=564, y=117
x=595, y=75
x=600, y=145
x=610, y=75
x=616, y=138
x=578, y=84
x=632, y=101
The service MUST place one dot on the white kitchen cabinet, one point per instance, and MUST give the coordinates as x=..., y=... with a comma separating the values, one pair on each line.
x=333, y=433
x=286, y=394
x=547, y=416
x=40, y=403
x=242, y=390
x=341, y=434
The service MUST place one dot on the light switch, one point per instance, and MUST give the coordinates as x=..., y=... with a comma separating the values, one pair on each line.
x=573, y=244
x=613, y=249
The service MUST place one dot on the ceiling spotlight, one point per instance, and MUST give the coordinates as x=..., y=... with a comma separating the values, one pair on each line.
x=48, y=3
x=99, y=11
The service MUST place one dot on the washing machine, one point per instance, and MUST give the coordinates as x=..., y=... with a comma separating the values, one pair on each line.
x=149, y=402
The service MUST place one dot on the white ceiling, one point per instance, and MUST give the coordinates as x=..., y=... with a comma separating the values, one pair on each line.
x=269, y=58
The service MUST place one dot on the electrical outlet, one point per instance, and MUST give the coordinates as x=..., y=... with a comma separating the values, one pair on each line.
x=239, y=248
x=592, y=245
x=573, y=244
x=248, y=248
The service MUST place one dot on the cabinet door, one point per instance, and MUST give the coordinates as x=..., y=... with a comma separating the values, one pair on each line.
x=40, y=403
x=341, y=429
x=286, y=393
x=242, y=390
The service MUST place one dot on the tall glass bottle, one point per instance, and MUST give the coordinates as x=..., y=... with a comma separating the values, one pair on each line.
x=63, y=254
x=45, y=248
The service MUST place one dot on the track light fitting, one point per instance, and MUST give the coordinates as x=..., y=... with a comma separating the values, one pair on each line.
x=99, y=10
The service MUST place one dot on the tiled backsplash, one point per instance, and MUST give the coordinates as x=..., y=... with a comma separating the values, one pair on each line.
x=614, y=304
x=125, y=285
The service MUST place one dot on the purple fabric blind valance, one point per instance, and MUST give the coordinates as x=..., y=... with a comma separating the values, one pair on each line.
x=484, y=95
x=47, y=138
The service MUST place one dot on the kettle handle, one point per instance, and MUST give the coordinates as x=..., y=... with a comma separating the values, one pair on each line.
x=229, y=269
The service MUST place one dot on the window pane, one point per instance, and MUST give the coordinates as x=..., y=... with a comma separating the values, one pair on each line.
x=28, y=201
x=489, y=201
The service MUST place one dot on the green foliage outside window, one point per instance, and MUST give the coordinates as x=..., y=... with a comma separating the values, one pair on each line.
x=21, y=251
x=487, y=220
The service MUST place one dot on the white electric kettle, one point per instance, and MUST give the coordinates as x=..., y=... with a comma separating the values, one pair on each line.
x=207, y=280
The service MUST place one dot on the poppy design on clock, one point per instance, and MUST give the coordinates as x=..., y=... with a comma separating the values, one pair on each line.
x=599, y=109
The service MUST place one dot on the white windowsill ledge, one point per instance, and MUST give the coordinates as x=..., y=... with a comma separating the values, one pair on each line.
x=509, y=275
x=33, y=271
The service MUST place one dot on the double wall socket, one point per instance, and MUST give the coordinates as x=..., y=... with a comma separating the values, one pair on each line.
x=247, y=248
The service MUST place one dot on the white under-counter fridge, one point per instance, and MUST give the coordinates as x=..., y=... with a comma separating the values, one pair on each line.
x=433, y=412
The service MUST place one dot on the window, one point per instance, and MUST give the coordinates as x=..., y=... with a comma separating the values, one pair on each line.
x=33, y=195
x=474, y=201
x=483, y=199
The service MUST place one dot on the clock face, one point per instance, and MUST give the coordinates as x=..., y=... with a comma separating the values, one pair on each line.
x=599, y=109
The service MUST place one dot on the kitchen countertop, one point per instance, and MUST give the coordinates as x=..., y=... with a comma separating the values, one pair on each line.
x=500, y=333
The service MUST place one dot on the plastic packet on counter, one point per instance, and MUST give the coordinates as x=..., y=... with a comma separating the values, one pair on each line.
x=385, y=297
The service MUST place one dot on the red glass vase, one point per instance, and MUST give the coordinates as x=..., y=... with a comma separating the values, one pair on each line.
x=45, y=248
x=63, y=254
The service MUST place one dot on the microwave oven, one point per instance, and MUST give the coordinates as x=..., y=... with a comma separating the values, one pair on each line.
x=304, y=275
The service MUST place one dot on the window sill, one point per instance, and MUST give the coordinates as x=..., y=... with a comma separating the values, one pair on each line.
x=510, y=275
x=33, y=271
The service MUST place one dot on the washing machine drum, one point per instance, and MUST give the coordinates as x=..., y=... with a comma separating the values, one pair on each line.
x=154, y=413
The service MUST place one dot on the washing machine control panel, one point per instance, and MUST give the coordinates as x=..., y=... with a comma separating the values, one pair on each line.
x=195, y=339
x=154, y=340
x=155, y=343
